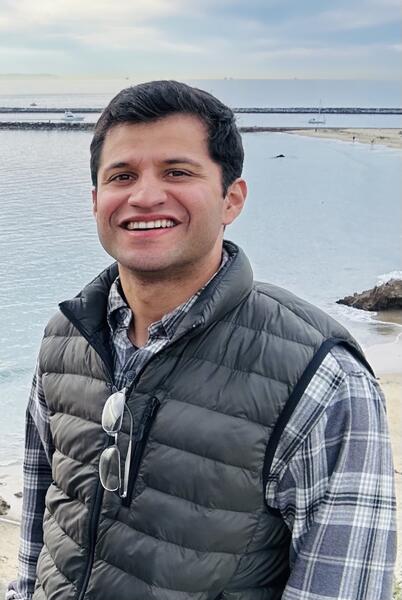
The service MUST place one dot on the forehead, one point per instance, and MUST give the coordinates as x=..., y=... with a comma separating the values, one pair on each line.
x=175, y=133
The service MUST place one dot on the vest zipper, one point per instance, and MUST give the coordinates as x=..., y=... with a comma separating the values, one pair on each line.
x=139, y=446
x=138, y=449
x=93, y=524
x=147, y=420
x=93, y=528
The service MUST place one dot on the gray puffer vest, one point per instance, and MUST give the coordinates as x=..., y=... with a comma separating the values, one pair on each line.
x=208, y=412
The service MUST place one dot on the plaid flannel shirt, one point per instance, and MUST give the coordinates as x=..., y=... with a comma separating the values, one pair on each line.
x=331, y=478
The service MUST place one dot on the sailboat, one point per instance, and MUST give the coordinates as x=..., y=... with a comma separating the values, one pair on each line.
x=320, y=120
x=70, y=117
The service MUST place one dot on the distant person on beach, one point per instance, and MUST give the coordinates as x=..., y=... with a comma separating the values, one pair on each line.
x=191, y=433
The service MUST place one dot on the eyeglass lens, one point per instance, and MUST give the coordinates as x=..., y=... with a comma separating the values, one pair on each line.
x=110, y=469
x=112, y=415
x=110, y=459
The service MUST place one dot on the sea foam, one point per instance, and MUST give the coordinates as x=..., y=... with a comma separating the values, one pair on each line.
x=388, y=276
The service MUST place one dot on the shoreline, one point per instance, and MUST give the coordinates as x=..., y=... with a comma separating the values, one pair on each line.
x=373, y=136
x=386, y=359
x=392, y=138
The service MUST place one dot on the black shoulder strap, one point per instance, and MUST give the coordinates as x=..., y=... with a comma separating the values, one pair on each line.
x=295, y=396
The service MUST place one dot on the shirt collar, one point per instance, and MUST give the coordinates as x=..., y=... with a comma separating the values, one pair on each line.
x=119, y=314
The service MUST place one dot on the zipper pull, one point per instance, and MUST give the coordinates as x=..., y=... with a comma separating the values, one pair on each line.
x=140, y=443
x=140, y=433
x=148, y=418
x=155, y=404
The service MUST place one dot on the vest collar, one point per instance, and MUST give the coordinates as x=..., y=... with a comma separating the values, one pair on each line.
x=227, y=289
x=87, y=311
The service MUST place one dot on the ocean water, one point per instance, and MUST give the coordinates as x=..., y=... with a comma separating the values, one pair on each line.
x=58, y=91
x=324, y=221
x=96, y=93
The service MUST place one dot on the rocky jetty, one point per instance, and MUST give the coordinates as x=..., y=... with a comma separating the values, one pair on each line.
x=382, y=297
x=46, y=125
x=345, y=110
x=4, y=506
x=87, y=126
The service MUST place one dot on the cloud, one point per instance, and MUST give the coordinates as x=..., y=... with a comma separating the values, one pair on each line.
x=357, y=17
x=25, y=14
x=259, y=37
x=316, y=24
x=123, y=37
x=322, y=52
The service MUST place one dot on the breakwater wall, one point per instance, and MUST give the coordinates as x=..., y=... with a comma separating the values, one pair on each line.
x=328, y=110
x=80, y=126
x=50, y=125
x=47, y=125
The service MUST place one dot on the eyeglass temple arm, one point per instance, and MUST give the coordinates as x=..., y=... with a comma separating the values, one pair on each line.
x=128, y=456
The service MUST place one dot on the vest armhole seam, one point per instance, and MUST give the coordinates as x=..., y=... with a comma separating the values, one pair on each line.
x=293, y=401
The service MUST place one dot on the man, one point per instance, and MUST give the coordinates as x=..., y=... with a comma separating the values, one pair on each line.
x=197, y=435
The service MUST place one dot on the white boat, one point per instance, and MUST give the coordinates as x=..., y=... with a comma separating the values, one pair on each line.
x=317, y=121
x=70, y=117
x=320, y=120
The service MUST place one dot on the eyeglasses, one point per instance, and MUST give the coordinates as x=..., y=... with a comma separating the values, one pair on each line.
x=110, y=459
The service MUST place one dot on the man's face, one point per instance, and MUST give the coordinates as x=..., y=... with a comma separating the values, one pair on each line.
x=159, y=205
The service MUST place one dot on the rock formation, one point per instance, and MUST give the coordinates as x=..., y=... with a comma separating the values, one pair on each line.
x=4, y=507
x=382, y=297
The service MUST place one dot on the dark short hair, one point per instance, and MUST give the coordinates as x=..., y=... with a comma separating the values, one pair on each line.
x=155, y=100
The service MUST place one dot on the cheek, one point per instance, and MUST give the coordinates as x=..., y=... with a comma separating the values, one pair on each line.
x=107, y=205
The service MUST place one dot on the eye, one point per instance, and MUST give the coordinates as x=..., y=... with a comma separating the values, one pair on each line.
x=121, y=177
x=174, y=173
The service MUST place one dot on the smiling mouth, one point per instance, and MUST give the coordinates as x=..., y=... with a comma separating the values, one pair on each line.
x=157, y=224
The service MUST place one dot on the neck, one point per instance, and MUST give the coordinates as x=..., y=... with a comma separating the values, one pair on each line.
x=152, y=295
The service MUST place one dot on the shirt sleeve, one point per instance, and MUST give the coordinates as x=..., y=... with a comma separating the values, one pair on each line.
x=333, y=481
x=37, y=478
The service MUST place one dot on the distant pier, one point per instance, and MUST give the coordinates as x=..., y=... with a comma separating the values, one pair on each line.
x=81, y=126
x=47, y=125
x=327, y=110
x=39, y=118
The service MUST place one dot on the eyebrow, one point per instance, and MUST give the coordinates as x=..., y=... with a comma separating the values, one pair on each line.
x=181, y=160
x=169, y=161
x=117, y=165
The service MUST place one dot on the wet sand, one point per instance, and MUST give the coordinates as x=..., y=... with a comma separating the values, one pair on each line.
x=387, y=137
x=392, y=386
x=9, y=535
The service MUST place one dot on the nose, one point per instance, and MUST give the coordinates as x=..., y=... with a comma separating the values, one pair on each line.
x=147, y=192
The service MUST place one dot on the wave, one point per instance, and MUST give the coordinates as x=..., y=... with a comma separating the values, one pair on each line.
x=353, y=314
x=10, y=372
x=388, y=276
x=349, y=314
x=9, y=463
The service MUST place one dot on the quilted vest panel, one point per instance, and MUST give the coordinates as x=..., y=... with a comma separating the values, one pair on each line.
x=195, y=525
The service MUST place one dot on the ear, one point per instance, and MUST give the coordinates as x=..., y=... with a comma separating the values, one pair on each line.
x=234, y=201
x=94, y=201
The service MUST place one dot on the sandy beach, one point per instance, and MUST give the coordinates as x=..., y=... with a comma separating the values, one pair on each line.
x=387, y=137
x=387, y=362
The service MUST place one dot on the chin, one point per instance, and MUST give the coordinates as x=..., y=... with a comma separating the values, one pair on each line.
x=145, y=266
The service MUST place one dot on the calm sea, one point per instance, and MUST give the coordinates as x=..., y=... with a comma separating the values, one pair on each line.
x=324, y=221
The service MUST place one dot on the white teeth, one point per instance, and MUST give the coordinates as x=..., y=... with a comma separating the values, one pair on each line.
x=158, y=224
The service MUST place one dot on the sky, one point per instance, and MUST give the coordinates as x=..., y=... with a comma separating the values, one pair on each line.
x=192, y=39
